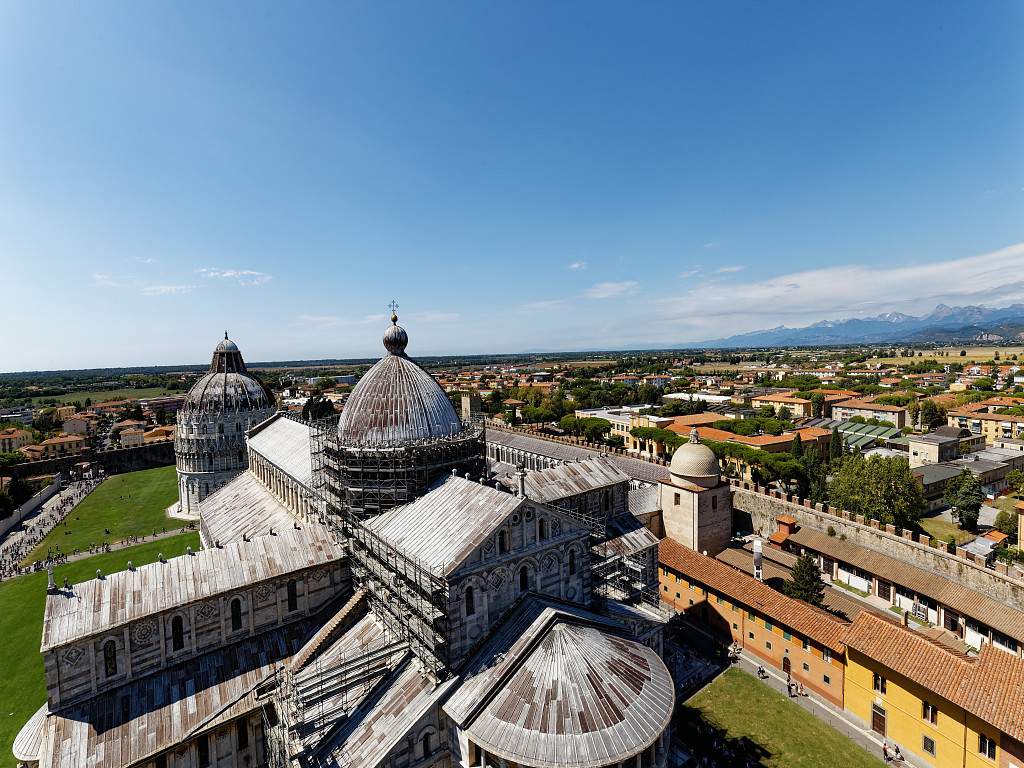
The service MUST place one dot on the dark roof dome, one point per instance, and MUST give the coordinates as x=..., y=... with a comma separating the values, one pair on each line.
x=228, y=386
x=396, y=401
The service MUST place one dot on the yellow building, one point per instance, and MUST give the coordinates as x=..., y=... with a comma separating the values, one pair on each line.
x=994, y=426
x=941, y=707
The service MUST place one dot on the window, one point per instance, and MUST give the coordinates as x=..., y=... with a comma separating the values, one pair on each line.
x=878, y=683
x=665, y=588
x=236, y=615
x=718, y=599
x=928, y=745
x=502, y=542
x=826, y=679
x=161, y=761
x=826, y=654
x=242, y=735
x=524, y=579
x=177, y=633
x=929, y=712
x=805, y=645
x=425, y=741
x=807, y=667
x=204, y=751
x=714, y=502
x=542, y=529
x=768, y=644
x=735, y=625
x=986, y=746
x=750, y=615
x=470, y=604
x=293, y=595
x=110, y=658
x=750, y=635
x=768, y=625
x=572, y=565
x=677, y=596
x=787, y=635
x=675, y=500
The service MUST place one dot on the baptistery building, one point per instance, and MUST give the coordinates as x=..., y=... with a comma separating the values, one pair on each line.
x=370, y=594
x=209, y=441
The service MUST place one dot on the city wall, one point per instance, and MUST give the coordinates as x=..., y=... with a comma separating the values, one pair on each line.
x=30, y=507
x=763, y=506
x=114, y=461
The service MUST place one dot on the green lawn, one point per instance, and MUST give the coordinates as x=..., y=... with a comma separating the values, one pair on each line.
x=765, y=727
x=938, y=528
x=98, y=396
x=22, y=684
x=132, y=504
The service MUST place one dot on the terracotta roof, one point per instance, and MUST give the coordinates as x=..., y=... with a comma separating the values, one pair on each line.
x=801, y=617
x=997, y=536
x=779, y=537
x=867, y=405
x=682, y=424
x=780, y=399
x=787, y=519
x=912, y=655
x=961, y=599
x=987, y=686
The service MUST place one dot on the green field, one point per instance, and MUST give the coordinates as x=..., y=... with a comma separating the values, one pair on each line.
x=22, y=684
x=764, y=727
x=938, y=528
x=132, y=504
x=98, y=396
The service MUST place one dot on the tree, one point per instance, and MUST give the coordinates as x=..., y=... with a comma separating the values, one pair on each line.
x=135, y=412
x=879, y=488
x=1015, y=481
x=817, y=405
x=784, y=414
x=804, y=582
x=932, y=414
x=797, y=447
x=984, y=383
x=161, y=416
x=835, y=445
x=964, y=495
x=1006, y=522
x=316, y=408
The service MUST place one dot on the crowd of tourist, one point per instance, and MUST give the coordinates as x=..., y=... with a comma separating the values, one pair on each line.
x=55, y=511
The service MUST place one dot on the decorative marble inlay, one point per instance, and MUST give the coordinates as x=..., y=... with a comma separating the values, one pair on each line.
x=73, y=655
x=143, y=631
x=206, y=611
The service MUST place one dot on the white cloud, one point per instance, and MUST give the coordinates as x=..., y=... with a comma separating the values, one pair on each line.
x=246, y=277
x=145, y=259
x=428, y=317
x=690, y=272
x=103, y=280
x=733, y=268
x=165, y=290
x=577, y=265
x=610, y=290
x=799, y=298
x=712, y=246
x=544, y=305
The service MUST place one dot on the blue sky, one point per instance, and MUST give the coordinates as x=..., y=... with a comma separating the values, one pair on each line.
x=519, y=175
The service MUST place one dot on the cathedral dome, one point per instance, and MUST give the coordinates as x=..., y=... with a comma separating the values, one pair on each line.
x=695, y=463
x=228, y=386
x=396, y=401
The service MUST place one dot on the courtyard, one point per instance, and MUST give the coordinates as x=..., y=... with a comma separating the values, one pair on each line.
x=739, y=722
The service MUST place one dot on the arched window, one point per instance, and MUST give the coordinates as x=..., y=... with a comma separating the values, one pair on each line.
x=209, y=461
x=425, y=741
x=110, y=658
x=470, y=603
x=542, y=528
x=502, y=542
x=524, y=579
x=240, y=459
x=177, y=633
x=293, y=595
x=220, y=429
x=572, y=562
x=236, y=615
x=238, y=427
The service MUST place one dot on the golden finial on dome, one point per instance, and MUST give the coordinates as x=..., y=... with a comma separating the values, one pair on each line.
x=393, y=306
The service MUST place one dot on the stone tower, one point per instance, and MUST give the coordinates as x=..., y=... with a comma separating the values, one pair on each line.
x=696, y=504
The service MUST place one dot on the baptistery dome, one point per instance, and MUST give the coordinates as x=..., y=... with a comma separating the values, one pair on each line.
x=694, y=462
x=209, y=439
x=396, y=402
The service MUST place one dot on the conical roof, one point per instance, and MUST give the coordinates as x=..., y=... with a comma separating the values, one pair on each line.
x=228, y=386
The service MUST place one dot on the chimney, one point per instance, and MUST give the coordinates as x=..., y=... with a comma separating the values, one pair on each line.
x=521, y=476
x=905, y=618
x=758, y=571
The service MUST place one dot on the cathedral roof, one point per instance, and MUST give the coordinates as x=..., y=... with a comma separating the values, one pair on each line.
x=443, y=527
x=396, y=402
x=228, y=386
x=557, y=685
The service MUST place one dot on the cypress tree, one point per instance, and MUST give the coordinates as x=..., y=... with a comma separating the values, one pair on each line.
x=804, y=582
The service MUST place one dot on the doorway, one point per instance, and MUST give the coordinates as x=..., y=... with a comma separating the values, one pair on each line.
x=878, y=720
x=786, y=664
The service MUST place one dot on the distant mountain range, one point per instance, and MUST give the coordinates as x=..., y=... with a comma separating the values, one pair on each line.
x=943, y=325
